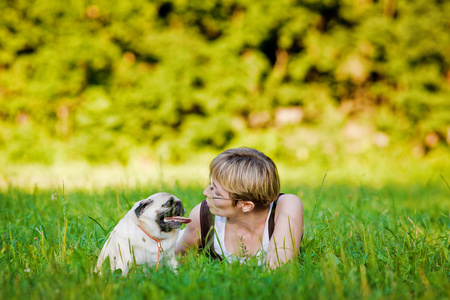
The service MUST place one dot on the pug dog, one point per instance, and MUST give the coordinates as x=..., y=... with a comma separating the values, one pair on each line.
x=146, y=235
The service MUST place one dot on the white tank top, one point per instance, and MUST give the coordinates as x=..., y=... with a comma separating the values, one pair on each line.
x=219, y=241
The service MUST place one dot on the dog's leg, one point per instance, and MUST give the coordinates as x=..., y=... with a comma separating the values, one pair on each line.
x=124, y=258
x=173, y=263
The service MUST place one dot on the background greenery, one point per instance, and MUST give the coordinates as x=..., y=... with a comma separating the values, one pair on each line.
x=141, y=95
x=104, y=81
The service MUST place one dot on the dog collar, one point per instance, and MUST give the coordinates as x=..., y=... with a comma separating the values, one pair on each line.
x=158, y=242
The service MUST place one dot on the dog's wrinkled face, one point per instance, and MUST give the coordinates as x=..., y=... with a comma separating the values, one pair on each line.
x=163, y=208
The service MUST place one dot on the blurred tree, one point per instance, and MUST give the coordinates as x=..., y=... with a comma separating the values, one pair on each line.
x=99, y=79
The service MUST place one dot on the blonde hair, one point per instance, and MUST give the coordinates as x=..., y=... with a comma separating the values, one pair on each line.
x=247, y=174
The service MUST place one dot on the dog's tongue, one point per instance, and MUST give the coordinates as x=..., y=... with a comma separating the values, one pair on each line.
x=179, y=219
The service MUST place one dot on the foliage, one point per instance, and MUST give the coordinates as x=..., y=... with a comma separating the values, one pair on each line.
x=106, y=79
x=360, y=243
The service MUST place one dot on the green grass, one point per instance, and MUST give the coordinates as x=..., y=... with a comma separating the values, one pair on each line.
x=361, y=242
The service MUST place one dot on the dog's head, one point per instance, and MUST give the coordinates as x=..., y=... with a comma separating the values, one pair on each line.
x=164, y=209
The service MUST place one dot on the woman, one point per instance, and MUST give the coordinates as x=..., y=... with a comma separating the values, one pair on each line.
x=244, y=214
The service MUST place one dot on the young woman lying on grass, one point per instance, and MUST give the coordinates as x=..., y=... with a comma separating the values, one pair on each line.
x=244, y=214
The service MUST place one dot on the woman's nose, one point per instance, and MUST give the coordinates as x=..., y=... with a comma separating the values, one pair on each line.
x=207, y=192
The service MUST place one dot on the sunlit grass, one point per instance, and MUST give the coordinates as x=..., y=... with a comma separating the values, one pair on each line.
x=361, y=242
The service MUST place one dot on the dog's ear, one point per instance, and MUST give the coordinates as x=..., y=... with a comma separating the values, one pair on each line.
x=141, y=207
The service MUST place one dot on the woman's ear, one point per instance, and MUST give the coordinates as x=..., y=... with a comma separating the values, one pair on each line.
x=247, y=206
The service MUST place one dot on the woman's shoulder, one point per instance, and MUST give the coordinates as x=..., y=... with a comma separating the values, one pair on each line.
x=194, y=215
x=288, y=198
x=194, y=225
x=289, y=204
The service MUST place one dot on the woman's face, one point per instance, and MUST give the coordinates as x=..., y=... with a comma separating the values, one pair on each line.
x=219, y=200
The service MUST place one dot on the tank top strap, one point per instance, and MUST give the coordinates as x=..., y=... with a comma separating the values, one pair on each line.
x=205, y=222
x=207, y=231
x=272, y=216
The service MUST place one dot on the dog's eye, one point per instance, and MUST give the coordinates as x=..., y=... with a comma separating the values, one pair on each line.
x=169, y=203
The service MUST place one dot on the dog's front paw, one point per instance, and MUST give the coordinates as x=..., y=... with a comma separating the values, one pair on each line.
x=173, y=263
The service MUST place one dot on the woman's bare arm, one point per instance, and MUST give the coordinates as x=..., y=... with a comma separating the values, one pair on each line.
x=288, y=231
x=191, y=235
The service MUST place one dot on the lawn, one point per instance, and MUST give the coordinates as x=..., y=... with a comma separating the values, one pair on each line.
x=391, y=241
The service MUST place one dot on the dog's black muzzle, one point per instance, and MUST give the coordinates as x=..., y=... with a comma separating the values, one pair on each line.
x=174, y=208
